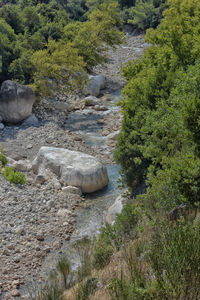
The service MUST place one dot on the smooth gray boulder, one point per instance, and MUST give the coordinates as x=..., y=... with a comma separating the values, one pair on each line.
x=72, y=168
x=16, y=102
x=91, y=101
x=96, y=83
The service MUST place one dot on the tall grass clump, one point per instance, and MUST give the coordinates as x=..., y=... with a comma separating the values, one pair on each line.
x=166, y=267
x=63, y=267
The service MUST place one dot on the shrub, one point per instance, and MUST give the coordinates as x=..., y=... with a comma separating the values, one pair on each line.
x=86, y=289
x=175, y=260
x=84, y=249
x=14, y=176
x=166, y=268
x=63, y=268
x=3, y=159
x=102, y=254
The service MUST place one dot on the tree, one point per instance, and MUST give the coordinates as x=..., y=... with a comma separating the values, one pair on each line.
x=60, y=64
x=159, y=139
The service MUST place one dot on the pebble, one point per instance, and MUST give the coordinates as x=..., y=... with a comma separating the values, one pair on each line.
x=15, y=293
x=29, y=146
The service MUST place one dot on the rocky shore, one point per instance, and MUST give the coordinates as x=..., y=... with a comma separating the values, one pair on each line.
x=38, y=218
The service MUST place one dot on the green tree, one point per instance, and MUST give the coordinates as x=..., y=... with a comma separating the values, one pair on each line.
x=59, y=63
x=160, y=133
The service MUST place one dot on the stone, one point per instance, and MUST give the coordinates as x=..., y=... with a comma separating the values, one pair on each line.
x=112, y=138
x=40, y=179
x=16, y=102
x=16, y=283
x=20, y=230
x=72, y=190
x=31, y=121
x=96, y=83
x=40, y=237
x=51, y=203
x=1, y=126
x=115, y=209
x=29, y=146
x=72, y=168
x=21, y=165
x=91, y=101
x=56, y=184
x=100, y=108
x=63, y=212
x=15, y=293
x=106, y=97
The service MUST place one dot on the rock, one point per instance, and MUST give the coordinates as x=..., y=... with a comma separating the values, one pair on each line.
x=72, y=168
x=106, y=97
x=31, y=121
x=112, y=137
x=72, y=190
x=115, y=209
x=16, y=102
x=1, y=126
x=15, y=293
x=40, y=237
x=91, y=101
x=20, y=230
x=6, y=252
x=56, y=184
x=100, y=108
x=96, y=83
x=15, y=283
x=63, y=212
x=51, y=203
x=40, y=179
x=21, y=165
x=29, y=146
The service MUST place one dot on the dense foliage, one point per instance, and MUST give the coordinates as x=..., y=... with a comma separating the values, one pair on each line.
x=159, y=140
x=73, y=35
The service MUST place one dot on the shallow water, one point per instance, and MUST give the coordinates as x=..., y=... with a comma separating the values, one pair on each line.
x=85, y=122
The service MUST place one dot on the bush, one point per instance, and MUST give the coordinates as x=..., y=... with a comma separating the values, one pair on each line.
x=117, y=235
x=64, y=268
x=86, y=289
x=165, y=267
x=102, y=254
x=3, y=159
x=175, y=260
x=14, y=176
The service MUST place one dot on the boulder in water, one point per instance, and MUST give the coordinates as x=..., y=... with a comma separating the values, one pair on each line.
x=72, y=168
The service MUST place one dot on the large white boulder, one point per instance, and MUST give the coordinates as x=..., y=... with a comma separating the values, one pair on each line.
x=96, y=83
x=16, y=102
x=72, y=168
